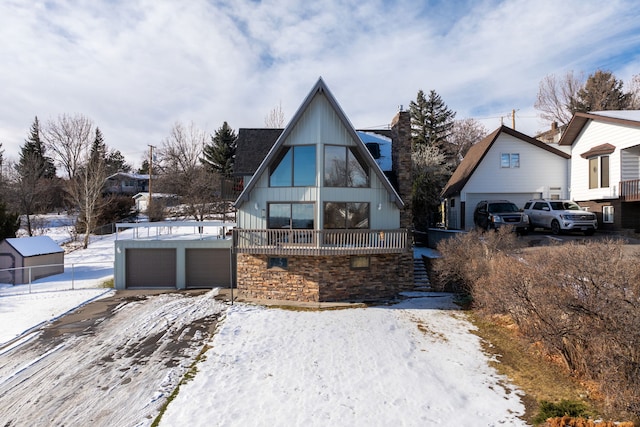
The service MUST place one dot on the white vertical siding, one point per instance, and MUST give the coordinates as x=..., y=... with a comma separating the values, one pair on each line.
x=539, y=170
x=597, y=133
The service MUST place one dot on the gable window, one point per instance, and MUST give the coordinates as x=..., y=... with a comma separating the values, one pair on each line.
x=599, y=172
x=510, y=160
x=346, y=215
x=607, y=214
x=343, y=168
x=295, y=167
x=291, y=216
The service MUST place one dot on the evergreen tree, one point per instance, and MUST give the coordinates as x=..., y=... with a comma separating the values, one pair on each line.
x=116, y=163
x=602, y=91
x=431, y=120
x=32, y=156
x=9, y=223
x=220, y=154
x=98, y=148
x=144, y=168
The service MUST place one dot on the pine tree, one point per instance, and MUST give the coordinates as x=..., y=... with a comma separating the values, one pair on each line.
x=431, y=120
x=144, y=168
x=98, y=149
x=602, y=91
x=9, y=223
x=220, y=154
x=32, y=156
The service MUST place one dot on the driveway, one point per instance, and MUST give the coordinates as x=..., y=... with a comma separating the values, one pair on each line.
x=112, y=362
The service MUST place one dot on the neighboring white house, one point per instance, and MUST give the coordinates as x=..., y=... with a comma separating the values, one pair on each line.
x=605, y=165
x=506, y=164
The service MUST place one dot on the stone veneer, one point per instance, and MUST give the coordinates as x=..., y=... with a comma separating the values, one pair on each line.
x=324, y=278
x=402, y=164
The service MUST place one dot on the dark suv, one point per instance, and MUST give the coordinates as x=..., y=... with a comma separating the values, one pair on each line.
x=493, y=214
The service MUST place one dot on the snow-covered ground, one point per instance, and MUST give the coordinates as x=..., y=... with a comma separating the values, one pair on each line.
x=415, y=363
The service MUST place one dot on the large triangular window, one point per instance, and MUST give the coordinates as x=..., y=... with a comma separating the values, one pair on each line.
x=343, y=167
x=294, y=167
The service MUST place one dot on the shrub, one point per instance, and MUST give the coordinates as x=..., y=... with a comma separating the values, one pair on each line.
x=560, y=409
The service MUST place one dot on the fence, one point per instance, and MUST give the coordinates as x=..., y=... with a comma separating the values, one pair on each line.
x=79, y=275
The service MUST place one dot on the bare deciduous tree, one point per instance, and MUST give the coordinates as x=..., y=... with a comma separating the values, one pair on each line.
x=182, y=174
x=465, y=133
x=634, y=92
x=275, y=118
x=68, y=137
x=557, y=96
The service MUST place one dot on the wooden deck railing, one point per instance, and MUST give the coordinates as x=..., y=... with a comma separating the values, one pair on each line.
x=320, y=242
x=630, y=190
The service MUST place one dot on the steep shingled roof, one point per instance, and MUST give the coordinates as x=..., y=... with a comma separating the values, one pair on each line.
x=579, y=121
x=477, y=152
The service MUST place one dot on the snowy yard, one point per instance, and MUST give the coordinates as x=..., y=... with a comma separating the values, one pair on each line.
x=414, y=363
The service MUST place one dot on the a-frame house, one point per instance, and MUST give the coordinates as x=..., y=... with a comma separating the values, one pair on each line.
x=319, y=220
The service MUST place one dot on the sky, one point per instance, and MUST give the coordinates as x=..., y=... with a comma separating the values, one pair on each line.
x=137, y=67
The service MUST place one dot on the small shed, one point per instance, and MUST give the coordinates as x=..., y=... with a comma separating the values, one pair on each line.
x=26, y=259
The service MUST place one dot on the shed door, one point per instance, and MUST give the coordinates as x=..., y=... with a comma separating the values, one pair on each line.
x=208, y=268
x=150, y=268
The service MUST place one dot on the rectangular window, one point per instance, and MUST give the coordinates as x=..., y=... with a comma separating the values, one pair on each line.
x=291, y=215
x=604, y=171
x=295, y=167
x=276, y=262
x=346, y=215
x=360, y=262
x=510, y=160
x=344, y=168
x=599, y=172
x=607, y=214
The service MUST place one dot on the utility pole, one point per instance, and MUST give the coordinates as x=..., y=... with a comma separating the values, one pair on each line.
x=151, y=147
x=513, y=119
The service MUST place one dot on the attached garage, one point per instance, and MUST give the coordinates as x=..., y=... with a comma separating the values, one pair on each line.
x=208, y=268
x=474, y=198
x=151, y=268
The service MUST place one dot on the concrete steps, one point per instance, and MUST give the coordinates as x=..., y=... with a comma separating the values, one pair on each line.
x=420, y=276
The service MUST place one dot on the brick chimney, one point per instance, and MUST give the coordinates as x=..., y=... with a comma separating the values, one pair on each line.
x=401, y=163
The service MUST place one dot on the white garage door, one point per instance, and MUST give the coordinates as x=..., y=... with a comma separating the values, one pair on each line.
x=473, y=198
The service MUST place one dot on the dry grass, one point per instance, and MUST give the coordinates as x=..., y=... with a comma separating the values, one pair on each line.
x=538, y=376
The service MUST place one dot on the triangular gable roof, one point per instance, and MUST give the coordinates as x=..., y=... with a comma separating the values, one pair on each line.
x=32, y=246
x=478, y=151
x=579, y=121
x=320, y=88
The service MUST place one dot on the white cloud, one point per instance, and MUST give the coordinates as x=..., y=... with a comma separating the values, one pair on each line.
x=137, y=67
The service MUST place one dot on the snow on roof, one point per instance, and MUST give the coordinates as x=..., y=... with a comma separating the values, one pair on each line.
x=619, y=114
x=384, y=143
x=32, y=246
x=129, y=175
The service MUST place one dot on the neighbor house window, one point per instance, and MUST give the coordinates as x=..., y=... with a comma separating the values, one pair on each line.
x=346, y=215
x=510, y=160
x=360, y=262
x=599, y=172
x=607, y=214
x=295, y=167
x=344, y=168
x=290, y=215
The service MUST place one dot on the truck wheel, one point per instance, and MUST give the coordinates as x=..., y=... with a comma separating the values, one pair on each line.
x=555, y=227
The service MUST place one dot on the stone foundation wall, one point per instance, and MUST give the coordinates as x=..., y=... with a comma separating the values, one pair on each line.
x=324, y=278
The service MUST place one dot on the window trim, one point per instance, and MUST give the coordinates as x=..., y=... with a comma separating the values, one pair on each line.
x=277, y=263
x=355, y=258
x=509, y=160
x=608, y=213
x=597, y=178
